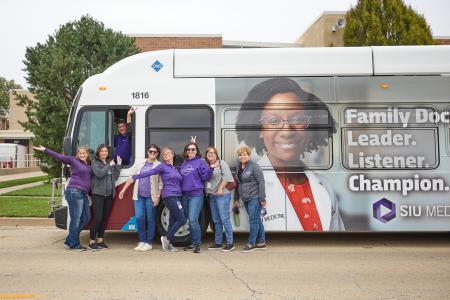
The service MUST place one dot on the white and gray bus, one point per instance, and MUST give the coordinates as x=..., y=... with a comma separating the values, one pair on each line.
x=353, y=139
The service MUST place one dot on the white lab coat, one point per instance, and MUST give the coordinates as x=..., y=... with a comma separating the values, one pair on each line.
x=279, y=205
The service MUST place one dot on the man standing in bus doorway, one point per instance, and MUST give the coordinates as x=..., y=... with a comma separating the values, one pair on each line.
x=122, y=141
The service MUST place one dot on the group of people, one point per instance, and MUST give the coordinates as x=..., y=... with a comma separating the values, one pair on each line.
x=182, y=190
x=96, y=178
x=293, y=124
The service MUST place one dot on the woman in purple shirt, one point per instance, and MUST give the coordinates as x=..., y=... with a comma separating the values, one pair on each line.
x=76, y=193
x=195, y=174
x=146, y=196
x=171, y=195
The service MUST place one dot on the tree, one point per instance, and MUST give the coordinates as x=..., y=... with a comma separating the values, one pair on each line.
x=385, y=23
x=56, y=69
x=6, y=86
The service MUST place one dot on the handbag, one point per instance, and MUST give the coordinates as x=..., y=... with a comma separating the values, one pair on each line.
x=230, y=185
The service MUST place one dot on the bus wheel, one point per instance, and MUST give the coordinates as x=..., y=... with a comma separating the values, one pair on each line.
x=183, y=235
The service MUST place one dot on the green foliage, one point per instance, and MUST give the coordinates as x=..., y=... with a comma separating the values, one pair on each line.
x=385, y=23
x=24, y=207
x=6, y=86
x=55, y=71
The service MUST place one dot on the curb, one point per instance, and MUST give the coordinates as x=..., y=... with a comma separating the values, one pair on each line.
x=27, y=222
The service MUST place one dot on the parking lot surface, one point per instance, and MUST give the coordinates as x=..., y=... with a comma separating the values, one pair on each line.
x=34, y=264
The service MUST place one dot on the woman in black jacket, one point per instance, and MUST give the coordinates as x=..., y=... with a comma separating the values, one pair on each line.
x=105, y=173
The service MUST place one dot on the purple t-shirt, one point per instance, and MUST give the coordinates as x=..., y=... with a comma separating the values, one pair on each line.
x=144, y=183
x=195, y=173
x=123, y=146
x=170, y=177
x=81, y=174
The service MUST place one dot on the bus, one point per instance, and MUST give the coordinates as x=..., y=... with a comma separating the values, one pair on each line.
x=349, y=139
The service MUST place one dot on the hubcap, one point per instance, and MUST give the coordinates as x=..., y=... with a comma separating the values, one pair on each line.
x=165, y=216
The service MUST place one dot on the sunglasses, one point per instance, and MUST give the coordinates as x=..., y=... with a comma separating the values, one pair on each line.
x=191, y=149
x=152, y=151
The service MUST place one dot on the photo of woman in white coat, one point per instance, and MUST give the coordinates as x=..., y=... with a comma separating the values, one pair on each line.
x=293, y=124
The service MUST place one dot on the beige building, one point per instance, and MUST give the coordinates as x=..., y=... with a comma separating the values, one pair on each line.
x=15, y=133
x=326, y=31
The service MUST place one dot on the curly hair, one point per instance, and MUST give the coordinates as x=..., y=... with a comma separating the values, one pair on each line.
x=260, y=95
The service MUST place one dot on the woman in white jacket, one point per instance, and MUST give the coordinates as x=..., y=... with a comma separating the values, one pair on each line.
x=292, y=123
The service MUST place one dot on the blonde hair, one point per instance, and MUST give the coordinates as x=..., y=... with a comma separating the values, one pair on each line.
x=167, y=149
x=245, y=149
x=85, y=148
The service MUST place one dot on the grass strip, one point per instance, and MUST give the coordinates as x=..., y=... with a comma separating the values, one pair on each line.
x=21, y=181
x=44, y=190
x=24, y=207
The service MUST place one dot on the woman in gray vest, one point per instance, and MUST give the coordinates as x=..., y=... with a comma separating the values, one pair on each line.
x=251, y=190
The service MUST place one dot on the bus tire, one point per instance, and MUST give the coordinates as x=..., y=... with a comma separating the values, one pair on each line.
x=183, y=235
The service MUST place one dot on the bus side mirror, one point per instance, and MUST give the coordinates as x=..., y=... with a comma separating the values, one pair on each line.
x=67, y=146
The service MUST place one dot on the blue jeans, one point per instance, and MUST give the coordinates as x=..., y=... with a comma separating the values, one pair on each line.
x=79, y=215
x=177, y=218
x=145, y=218
x=253, y=208
x=192, y=206
x=220, y=212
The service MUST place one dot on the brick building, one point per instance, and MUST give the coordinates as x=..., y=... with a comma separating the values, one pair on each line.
x=152, y=42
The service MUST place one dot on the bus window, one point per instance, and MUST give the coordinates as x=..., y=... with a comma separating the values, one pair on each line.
x=294, y=139
x=92, y=130
x=390, y=148
x=172, y=126
x=101, y=126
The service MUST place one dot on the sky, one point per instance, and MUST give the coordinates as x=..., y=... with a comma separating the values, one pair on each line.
x=24, y=23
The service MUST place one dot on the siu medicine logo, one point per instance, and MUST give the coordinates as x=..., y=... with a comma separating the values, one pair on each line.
x=387, y=216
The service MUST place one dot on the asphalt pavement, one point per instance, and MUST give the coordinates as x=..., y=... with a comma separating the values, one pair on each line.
x=34, y=263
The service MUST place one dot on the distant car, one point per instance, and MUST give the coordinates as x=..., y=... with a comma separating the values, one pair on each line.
x=12, y=155
x=6, y=163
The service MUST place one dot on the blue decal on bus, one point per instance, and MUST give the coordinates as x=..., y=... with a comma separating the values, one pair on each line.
x=157, y=66
x=131, y=225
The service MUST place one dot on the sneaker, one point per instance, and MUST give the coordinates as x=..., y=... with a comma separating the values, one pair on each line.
x=93, y=247
x=248, y=248
x=215, y=247
x=197, y=249
x=165, y=243
x=228, y=248
x=102, y=245
x=263, y=212
x=189, y=248
x=139, y=246
x=172, y=248
x=146, y=247
x=78, y=248
x=66, y=246
x=262, y=246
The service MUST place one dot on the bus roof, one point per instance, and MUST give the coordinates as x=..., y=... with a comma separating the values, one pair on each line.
x=270, y=62
x=331, y=61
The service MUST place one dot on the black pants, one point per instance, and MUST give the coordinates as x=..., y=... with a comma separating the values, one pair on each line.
x=101, y=206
